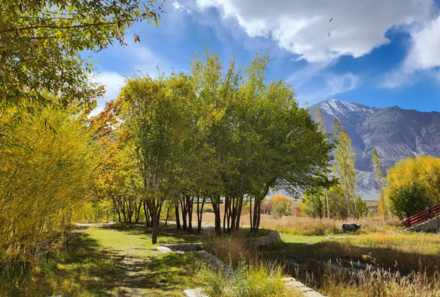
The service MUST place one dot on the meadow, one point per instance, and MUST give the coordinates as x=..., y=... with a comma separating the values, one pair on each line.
x=378, y=260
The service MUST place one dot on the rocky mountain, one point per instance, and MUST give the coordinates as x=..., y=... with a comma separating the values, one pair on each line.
x=395, y=133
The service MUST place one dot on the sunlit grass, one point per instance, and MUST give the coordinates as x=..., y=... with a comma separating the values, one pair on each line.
x=96, y=265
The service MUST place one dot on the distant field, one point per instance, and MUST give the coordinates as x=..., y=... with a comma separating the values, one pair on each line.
x=314, y=226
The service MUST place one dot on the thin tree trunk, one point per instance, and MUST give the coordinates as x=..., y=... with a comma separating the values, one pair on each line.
x=328, y=208
x=189, y=206
x=240, y=207
x=217, y=220
x=168, y=214
x=176, y=208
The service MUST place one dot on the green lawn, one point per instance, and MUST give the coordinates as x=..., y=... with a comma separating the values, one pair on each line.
x=290, y=238
x=114, y=261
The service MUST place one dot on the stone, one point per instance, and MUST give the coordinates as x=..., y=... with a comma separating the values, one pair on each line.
x=194, y=293
x=164, y=249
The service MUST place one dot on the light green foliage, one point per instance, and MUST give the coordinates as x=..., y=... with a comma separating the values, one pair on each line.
x=41, y=44
x=360, y=207
x=157, y=117
x=314, y=205
x=345, y=165
x=256, y=136
x=408, y=200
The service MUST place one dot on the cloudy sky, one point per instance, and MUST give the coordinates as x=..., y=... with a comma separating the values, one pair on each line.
x=377, y=52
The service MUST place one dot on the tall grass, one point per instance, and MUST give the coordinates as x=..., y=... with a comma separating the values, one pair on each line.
x=256, y=280
x=370, y=283
x=231, y=249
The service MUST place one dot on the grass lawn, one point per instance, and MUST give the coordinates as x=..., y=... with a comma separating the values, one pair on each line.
x=291, y=238
x=114, y=261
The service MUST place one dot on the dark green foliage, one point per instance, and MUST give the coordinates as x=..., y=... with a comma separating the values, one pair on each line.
x=408, y=200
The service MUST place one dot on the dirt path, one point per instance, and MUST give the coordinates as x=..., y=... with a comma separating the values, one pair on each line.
x=134, y=280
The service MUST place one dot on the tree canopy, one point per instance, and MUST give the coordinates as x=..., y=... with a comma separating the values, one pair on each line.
x=41, y=42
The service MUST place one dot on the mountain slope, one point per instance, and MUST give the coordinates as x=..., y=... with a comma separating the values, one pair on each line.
x=394, y=132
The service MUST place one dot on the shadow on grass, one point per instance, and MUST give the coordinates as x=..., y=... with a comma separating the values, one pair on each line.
x=167, y=234
x=85, y=270
x=173, y=271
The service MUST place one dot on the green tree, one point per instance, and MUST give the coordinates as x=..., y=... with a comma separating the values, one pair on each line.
x=41, y=44
x=408, y=200
x=361, y=207
x=313, y=205
x=319, y=118
x=156, y=114
x=345, y=165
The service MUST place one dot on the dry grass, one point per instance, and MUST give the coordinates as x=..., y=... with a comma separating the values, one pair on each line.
x=231, y=250
x=368, y=283
x=312, y=226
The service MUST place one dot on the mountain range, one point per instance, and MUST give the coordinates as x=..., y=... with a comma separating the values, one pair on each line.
x=395, y=133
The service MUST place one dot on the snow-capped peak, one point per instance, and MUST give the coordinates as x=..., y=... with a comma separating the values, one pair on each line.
x=337, y=108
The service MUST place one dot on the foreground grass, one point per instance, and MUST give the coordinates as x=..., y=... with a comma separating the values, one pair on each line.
x=98, y=261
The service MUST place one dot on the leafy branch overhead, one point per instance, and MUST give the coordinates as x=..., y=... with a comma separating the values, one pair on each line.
x=41, y=42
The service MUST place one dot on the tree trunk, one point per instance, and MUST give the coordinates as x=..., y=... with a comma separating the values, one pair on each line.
x=176, y=208
x=189, y=211
x=138, y=212
x=155, y=228
x=200, y=213
x=217, y=221
x=168, y=214
x=184, y=212
x=240, y=207
x=328, y=208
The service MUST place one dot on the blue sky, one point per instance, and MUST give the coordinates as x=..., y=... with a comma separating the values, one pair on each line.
x=377, y=52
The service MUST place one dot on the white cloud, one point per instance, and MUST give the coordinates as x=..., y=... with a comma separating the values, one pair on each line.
x=112, y=81
x=147, y=61
x=341, y=83
x=333, y=84
x=302, y=26
x=425, y=48
x=181, y=7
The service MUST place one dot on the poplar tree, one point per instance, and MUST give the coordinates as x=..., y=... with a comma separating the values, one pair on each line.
x=319, y=118
x=345, y=165
x=377, y=164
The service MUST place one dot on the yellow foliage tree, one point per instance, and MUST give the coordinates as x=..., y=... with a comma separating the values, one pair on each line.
x=424, y=169
x=280, y=204
x=45, y=167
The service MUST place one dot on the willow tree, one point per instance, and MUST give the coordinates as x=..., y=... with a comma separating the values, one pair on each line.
x=345, y=165
x=377, y=164
x=41, y=43
x=156, y=116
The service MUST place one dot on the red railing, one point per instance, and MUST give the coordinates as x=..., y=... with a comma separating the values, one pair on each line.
x=422, y=217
